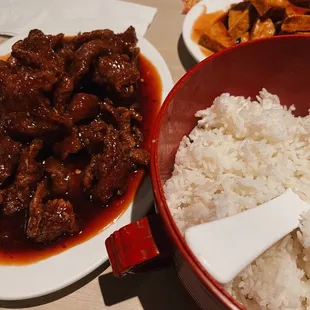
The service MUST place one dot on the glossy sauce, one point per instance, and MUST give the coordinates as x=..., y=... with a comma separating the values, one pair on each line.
x=202, y=23
x=16, y=249
x=5, y=57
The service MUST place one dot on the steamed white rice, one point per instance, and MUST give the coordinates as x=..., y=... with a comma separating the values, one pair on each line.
x=241, y=154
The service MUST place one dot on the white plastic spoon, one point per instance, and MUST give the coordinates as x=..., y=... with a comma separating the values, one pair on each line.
x=225, y=247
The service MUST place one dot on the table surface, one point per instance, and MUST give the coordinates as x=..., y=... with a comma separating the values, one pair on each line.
x=151, y=291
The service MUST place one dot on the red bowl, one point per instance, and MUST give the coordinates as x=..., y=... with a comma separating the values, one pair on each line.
x=279, y=64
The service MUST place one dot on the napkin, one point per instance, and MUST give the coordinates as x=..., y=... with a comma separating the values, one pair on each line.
x=72, y=16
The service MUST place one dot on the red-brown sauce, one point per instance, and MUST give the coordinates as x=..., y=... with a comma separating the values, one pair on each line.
x=5, y=57
x=201, y=24
x=16, y=249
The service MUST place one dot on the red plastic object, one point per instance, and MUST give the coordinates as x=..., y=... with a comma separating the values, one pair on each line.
x=279, y=64
x=137, y=243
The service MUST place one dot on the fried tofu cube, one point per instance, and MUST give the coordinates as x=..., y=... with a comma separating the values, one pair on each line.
x=245, y=37
x=296, y=23
x=263, y=29
x=238, y=23
x=216, y=38
x=263, y=6
x=291, y=10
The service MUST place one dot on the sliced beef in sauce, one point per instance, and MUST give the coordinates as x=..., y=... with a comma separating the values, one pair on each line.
x=16, y=199
x=63, y=91
x=85, y=37
x=65, y=101
x=9, y=157
x=108, y=173
x=29, y=172
x=85, y=56
x=37, y=50
x=117, y=73
x=26, y=111
x=139, y=156
x=83, y=106
x=71, y=144
x=126, y=42
x=92, y=135
x=58, y=174
x=48, y=221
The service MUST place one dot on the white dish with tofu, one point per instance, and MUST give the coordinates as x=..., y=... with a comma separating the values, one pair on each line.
x=213, y=25
x=189, y=21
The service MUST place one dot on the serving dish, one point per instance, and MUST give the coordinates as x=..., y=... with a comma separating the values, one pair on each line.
x=190, y=18
x=281, y=65
x=211, y=26
x=56, y=272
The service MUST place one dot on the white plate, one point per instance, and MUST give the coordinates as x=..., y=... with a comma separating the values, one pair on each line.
x=192, y=15
x=56, y=272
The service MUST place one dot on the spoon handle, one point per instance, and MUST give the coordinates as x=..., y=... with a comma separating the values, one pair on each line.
x=225, y=247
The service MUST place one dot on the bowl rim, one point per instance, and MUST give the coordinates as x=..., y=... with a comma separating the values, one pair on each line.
x=205, y=278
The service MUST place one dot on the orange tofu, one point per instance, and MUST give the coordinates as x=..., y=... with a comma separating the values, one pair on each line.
x=206, y=21
x=278, y=4
x=296, y=23
x=263, y=6
x=238, y=23
x=263, y=29
x=216, y=38
x=245, y=37
x=291, y=10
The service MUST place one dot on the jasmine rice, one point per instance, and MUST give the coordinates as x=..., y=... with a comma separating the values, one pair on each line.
x=241, y=154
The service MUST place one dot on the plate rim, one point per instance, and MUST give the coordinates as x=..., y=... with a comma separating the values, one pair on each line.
x=154, y=56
